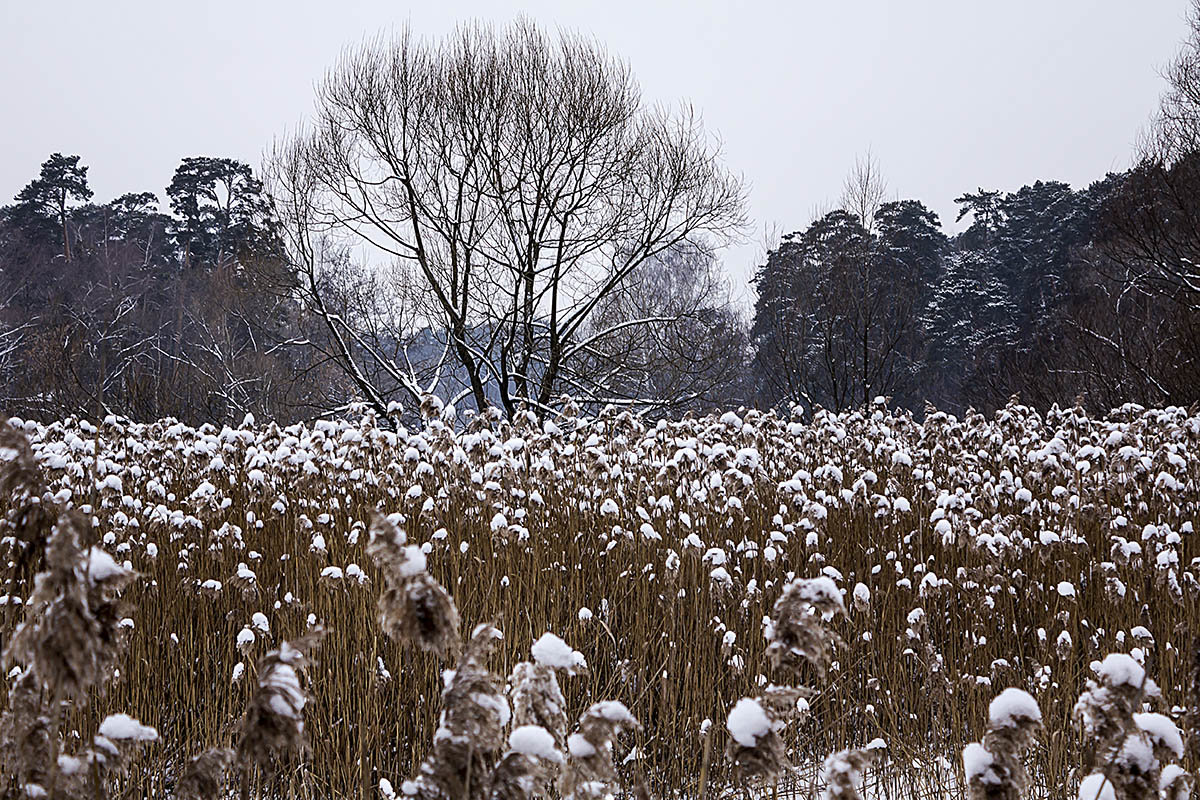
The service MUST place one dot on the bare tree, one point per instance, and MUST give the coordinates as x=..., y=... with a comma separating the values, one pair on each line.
x=1152, y=226
x=13, y=333
x=522, y=179
x=1123, y=341
x=373, y=323
x=670, y=339
x=1174, y=132
x=864, y=190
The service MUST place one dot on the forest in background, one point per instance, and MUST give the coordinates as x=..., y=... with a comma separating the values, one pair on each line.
x=230, y=294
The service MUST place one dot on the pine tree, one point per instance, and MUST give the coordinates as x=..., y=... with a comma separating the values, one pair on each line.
x=984, y=206
x=912, y=249
x=1043, y=224
x=223, y=212
x=969, y=324
x=46, y=197
x=839, y=310
x=781, y=329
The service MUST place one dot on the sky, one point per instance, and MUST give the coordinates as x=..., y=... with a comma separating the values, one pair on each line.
x=946, y=95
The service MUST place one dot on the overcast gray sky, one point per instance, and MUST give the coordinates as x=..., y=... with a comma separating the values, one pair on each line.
x=947, y=94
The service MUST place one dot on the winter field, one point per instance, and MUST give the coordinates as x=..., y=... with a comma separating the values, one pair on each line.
x=953, y=559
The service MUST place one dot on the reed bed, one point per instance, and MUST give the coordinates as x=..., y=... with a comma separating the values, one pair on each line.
x=970, y=556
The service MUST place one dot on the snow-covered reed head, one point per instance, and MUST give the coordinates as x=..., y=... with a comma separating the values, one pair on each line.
x=536, y=696
x=843, y=771
x=995, y=769
x=798, y=632
x=1129, y=751
x=590, y=773
x=1106, y=707
x=25, y=733
x=539, y=734
x=71, y=634
x=413, y=607
x=431, y=407
x=115, y=743
x=526, y=770
x=271, y=735
x=470, y=733
x=1175, y=784
x=28, y=517
x=756, y=750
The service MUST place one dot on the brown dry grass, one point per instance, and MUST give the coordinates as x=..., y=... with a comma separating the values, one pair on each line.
x=990, y=616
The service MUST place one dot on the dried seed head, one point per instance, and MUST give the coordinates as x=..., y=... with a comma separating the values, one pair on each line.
x=1105, y=708
x=204, y=776
x=755, y=749
x=1175, y=784
x=413, y=607
x=431, y=407
x=590, y=772
x=1164, y=737
x=71, y=634
x=518, y=777
x=1134, y=771
x=470, y=736
x=538, y=700
x=526, y=769
x=271, y=735
x=25, y=732
x=798, y=632
x=536, y=696
x=995, y=769
x=843, y=771
x=113, y=747
x=1126, y=747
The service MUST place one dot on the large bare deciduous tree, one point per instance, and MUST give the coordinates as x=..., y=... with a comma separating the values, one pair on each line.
x=520, y=181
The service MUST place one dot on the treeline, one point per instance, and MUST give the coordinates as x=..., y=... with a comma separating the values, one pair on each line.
x=121, y=308
x=1050, y=294
x=367, y=265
